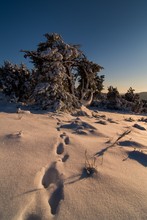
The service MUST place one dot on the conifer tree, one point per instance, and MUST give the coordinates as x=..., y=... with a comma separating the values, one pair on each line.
x=15, y=81
x=59, y=67
x=113, y=98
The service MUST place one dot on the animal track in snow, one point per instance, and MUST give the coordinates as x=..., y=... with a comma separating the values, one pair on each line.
x=53, y=178
x=66, y=138
x=56, y=197
x=60, y=148
x=63, y=135
x=65, y=158
x=33, y=217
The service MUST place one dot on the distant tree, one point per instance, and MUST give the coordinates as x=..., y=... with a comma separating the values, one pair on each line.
x=132, y=101
x=131, y=96
x=58, y=68
x=144, y=106
x=112, y=93
x=113, y=98
x=15, y=81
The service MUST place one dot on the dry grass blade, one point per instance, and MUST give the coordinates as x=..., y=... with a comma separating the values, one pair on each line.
x=90, y=165
x=120, y=137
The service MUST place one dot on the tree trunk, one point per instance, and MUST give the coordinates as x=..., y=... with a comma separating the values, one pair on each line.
x=70, y=81
x=88, y=101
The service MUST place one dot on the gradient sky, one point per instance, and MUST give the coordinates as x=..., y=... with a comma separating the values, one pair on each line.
x=112, y=33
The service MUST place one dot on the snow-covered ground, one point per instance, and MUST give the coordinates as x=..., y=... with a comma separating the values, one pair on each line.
x=42, y=161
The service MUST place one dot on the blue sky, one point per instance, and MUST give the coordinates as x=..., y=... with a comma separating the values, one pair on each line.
x=112, y=33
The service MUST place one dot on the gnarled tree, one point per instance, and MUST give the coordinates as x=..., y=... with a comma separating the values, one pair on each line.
x=64, y=77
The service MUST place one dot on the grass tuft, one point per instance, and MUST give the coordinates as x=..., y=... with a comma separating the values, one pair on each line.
x=90, y=165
